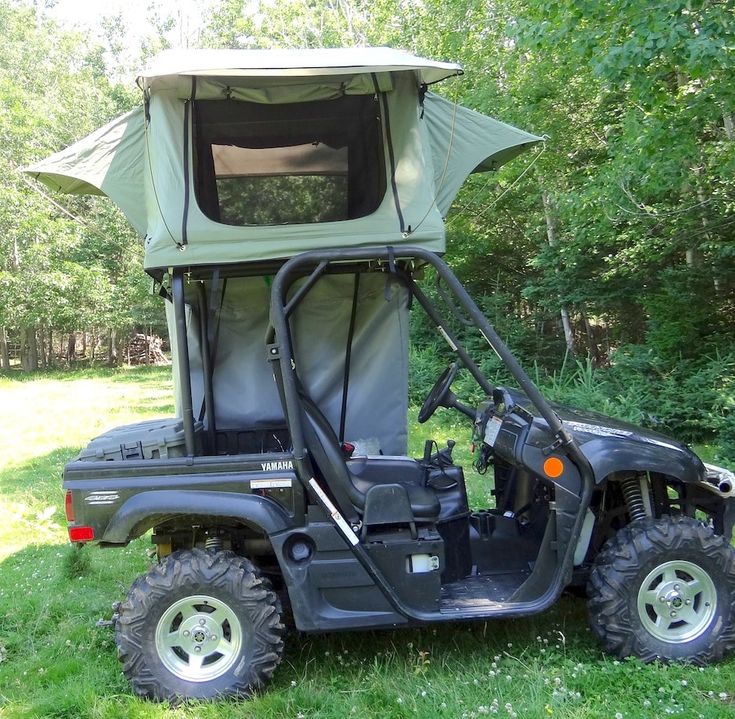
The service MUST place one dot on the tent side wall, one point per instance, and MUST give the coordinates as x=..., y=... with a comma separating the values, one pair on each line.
x=246, y=398
x=463, y=141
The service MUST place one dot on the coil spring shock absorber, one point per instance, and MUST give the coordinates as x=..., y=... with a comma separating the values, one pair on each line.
x=633, y=495
x=213, y=543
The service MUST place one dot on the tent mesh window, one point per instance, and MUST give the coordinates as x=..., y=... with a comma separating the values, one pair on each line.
x=294, y=163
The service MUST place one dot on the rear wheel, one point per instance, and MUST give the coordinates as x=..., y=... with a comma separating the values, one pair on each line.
x=664, y=589
x=200, y=625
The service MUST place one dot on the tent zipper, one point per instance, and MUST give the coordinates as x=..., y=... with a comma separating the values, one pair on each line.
x=187, y=189
x=391, y=153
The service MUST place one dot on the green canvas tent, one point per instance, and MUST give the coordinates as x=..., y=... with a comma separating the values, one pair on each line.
x=242, y=155
x=249, y=156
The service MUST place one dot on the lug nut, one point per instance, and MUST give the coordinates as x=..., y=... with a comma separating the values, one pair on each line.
x=202, y=622
x=673, y=614
x=186, y=632
x=687, y=601
x=213, y=637
x=676, y=587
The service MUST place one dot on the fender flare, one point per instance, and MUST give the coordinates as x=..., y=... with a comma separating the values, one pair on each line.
x=607, y=459
x=146, y=509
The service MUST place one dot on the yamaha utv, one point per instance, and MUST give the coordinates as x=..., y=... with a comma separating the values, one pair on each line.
x=292, y=204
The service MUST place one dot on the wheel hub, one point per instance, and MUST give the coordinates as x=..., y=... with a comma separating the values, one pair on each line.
x=198, y=638
x=197, y=632
x=677, y=601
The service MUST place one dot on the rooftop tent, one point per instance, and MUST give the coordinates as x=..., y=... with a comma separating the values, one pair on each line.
x=242, y=156
x=247, y=155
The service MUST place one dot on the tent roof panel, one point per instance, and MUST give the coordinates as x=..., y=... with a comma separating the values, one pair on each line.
x=293, y=63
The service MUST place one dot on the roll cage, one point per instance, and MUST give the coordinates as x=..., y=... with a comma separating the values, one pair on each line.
x=309, y=267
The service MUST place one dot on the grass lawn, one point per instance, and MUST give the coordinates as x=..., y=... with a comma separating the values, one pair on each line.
x=55, y=663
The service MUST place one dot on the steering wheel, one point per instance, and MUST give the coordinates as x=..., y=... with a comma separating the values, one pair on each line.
x=439, y=392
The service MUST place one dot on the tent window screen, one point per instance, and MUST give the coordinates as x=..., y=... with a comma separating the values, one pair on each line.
x=295, y=163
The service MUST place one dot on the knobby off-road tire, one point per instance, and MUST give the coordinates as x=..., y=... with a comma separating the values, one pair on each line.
x=200, y=625
x=664, y=589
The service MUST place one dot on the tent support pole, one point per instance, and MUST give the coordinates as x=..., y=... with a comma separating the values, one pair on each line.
x=182, y=357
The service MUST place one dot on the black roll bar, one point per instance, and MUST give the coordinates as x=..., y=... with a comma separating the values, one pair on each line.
x=450, y=337
x=279, y=329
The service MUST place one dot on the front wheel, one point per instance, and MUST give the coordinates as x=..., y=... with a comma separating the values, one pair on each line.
x=200, y=625
x=664, y=589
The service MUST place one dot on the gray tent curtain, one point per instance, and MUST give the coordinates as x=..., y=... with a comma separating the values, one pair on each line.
x=244, y=388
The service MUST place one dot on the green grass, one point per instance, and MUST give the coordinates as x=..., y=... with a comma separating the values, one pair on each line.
x=55, y=663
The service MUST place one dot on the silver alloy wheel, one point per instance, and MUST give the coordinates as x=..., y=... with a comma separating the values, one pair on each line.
x=198, y=638
x=677, y=601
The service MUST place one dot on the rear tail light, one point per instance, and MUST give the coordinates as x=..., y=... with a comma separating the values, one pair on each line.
x=68, y=507
x=81, y=534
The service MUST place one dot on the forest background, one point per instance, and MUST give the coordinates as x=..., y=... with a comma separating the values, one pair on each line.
x=605, y=258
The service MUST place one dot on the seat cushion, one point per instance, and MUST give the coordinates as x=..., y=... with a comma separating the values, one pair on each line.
x=423, y=501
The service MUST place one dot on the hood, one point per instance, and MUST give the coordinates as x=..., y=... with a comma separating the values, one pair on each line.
x=586, y=425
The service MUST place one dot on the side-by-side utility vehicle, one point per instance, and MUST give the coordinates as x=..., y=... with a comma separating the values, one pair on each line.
x=291, y=205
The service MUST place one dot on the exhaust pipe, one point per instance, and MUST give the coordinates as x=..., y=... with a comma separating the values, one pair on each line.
x=723, y=479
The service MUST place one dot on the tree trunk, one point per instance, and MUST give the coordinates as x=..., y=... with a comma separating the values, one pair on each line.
x=50, y=358
x=591, y=342
x=71, y=347
x=84, y=344
x=112, y=348
x=729, y=123
x=4, y=354
x=32, y=349
x=551, y=236
x=566, y=323
x=42, y=347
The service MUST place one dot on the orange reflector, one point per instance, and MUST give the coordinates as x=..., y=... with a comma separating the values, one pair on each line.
x=553, y=467
x=68, y=506
x=81, y=534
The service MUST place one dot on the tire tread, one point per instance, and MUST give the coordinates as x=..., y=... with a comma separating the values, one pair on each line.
x=619, y=562
x=226, y=570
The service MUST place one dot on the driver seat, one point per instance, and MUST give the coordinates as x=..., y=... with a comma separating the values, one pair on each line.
x=324, y=446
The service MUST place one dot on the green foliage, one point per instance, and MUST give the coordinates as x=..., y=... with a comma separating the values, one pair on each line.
x=58, y=273
x=282, y=199
x=691, y=399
